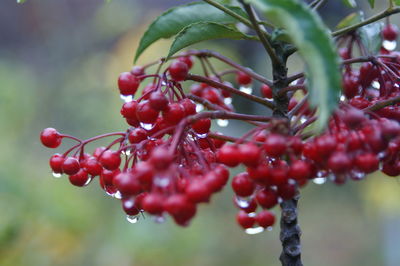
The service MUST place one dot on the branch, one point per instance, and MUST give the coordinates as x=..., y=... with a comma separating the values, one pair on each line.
x=216, y=84
x=230, y=12
x=382, y=104
x=383, y=14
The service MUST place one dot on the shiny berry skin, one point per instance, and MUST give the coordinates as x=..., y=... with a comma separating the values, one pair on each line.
x=145, y=113
x=153, y=203
x=339, y=162
x=265, y=219
x=56, y=162
x=50, y=138
x=267, y=198
x=188, y=60
x=325, y=145
x=174, y=113
x=161, y=158
x=129, y=206
x=137, y=71
x=158, y=101
x=144, y=172
x=197, y=191
x=178, y=70
x=243, y=79
x=107, y=176
x=137, y=135
x=128, y=110
x=189, y=106
x=127, y=184
x=98, y=151
x=92, y=166
x=275, y=145
x=287, y=191
x=228, y=155
x=70, y=166
x=367, y=162
x=242, y=185
x=244, y=220
x=202, y=126
x=390, y=32
x=249, y=154
x=79, y=179
x=110, y=160
x=266, y=91
x=300, y=170
x=128, y=83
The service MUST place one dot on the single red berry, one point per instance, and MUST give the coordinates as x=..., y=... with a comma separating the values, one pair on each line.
x=145, y=113
x=300, y=170
x=275, y=145
x=353, y=117
x=267, y=198
x=153, y=203
x=367, y=162
x=128, y=110
x=174, y=113
x=129, y=206
x=260, y=174
x=266, y=91
x=279, y=175
x=265, y=219
x=127, y=184
x=98, y=151
x=202, y=126
x=339, y=162
x=137, y=135
x=56, y=162
x=161, y=158
x=92, y=166
x=110, y=160
x=243, y=78
x=71, y=166
x=128, y=83
x=344, y=53
x=249, y=208
x=287, y=191
x=228, y=155
x=79, y=179
x=144, y=172
x=178, y=70
x=242, y=185
x=107, y=176
x=351, y=86
x=179, y=206
x=245, y=220
x=189, y=106
x=137, y=71
x=158, y=101
x=249, y=154
x=197, y=191
x=50, y=138
x=390, y=32
x=188, y=60
x=325, y=145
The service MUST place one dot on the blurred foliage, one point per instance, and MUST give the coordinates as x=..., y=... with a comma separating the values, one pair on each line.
x=58, y=66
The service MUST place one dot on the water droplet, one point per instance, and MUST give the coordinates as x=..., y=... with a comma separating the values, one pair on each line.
x=303, y=119
x=199, y=107
x=247, y=90
x=242, y=202
x=56, y=175
x=254, y=230
x=252, y=214
x=342, y=98
x=228, y=100
x=159, y=219
x=322, y=173
x=126, y=152
x=222, y=122
x=376, y=84
x=132, y=219
x=319, y=180
x=202, y=136
x=356, y=175
x=161, y=181
x=147, y=126
x=126, y=98
x=117, y=195
x=270, y=228
x=389, y=45
x=88, y=181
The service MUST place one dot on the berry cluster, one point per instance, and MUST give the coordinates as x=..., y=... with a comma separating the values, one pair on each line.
x=168, y=160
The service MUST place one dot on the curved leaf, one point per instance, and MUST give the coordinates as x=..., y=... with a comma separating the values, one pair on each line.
x=175, y=19
x=350, y=3
x=315, y=45
x=371, y=3
x=203, y=31
x=349, y=20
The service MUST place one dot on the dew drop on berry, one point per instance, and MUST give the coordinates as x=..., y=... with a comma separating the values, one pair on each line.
x=132, y=218
x=356, y=175
x=126, y=98
x=117, y=195
x=228, y=100
x=88, y=181
x=161, y=181
x=242, y=202
x=199, y=107
x=319, y=180
x=56, y=175
x=247, y=90
x=376, y=84
x=147, y=126
x=222, y=122
x=389, y=45
x=202, y=136
x=254, y=230
x=159, y=219
x=342, y=98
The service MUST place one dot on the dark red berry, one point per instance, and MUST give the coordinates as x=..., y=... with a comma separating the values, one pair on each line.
x=50, y=138
x=137, y=135
x=70, y=166
x=275, y=145
x=245, y=220
x=110, y=160
x=127, y=184
x=79, y=179
x=56, y=162
x=266, y=91
x=367, y=162
x=243, y=78
x=178, y=70
x=158, y=101
x=197, y=191
x=202, y=126
x=128, y=83
x=128, y=110
x=153, y=203
x=265, y=219
x=339, y=162
x=145, y=113
x=267, y=198
x=228, y=155
x=390, y=32
x=129, y=206
x=242, y=185
x=249, y=154
x=174, y=113
x=92, y=166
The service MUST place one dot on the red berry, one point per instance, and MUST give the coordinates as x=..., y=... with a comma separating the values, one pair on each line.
x=174, y=113
x=249, y=154
x=189, y=106
x=179, y=206
x=287, y=191
x=242, y=185
x=107, y=176
x=161, y=158
x=266, y=91
x=260, y=174
x=98, y=151
x=275, y=145
x=128, y=110
x=79, y=179
x=110, y=160
x=367, y=162
x=128, y=83
x=202, y=126
x=245, y=220
x=242, y=78
x=137, y=135
x=50, y=138
x=153, y=203
x=325, y=145
x=129, y=206
x=145, y=113
x=339, y=162
x=144, y=172
x=178, y=70
x=71, y=166
x=197, y=191
x=300, y=170
x=265, y=219
x=228, y=155
x=267, y=198
x=390, y=32
x=137, y=71
x=92, y=166
x=188, y=60
x=56, y=162
x=127, y=184
x=158, y=101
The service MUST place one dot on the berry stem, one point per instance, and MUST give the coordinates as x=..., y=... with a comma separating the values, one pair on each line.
x=382, y=104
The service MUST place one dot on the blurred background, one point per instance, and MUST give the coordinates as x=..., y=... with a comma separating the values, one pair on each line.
x=59, y=62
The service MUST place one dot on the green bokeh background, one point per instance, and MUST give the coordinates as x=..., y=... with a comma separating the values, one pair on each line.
x=59, y=61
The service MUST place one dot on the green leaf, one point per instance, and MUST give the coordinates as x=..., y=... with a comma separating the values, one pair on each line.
x=175, y=19
x=21, y=1
x=349, y=20
x=203, y=31
x=371, y=3
x=371, y=37
x=396, y=2
x=315, y=45
x=350, y=3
